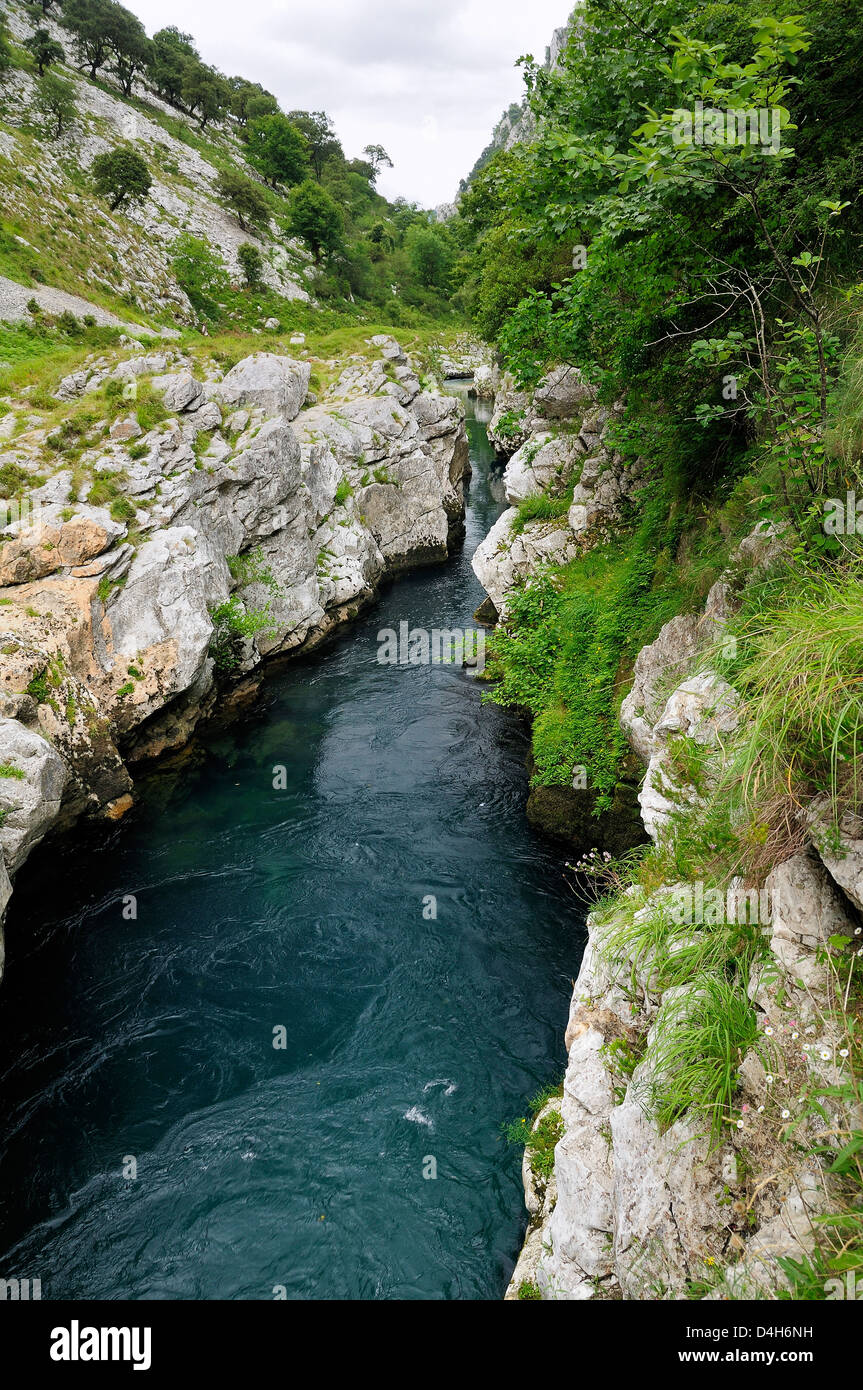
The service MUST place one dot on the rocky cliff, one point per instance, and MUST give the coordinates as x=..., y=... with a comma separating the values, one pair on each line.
x=187, y=521
x=649, y=1196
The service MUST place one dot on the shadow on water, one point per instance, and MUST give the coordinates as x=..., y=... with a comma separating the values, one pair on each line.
x=155, y=1142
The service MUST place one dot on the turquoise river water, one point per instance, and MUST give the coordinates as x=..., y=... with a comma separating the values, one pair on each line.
x=154, y=1144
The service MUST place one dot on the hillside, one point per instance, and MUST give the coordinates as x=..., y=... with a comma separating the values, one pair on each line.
x=169, y=258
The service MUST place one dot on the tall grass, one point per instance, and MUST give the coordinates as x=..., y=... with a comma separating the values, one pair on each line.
x=799, y=670
x=695, y=1055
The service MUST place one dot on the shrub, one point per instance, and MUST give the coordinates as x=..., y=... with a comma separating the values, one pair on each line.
x=232, y=626
x=251, y=263
x=121, y=176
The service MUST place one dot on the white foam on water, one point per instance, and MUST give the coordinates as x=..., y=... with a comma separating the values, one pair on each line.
x=418, y=1117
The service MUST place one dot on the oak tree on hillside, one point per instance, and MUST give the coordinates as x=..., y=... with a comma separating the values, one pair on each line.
x=249, y=100
x=89, y=21
x=324, y=144
x=55, y=100
x=171, y=52
x=121, y=176
x=44, y=50
x=377, y=158
x=243, y=197
x=130, y=48
x=277, y=149
x=316, y=218
x=205, y=93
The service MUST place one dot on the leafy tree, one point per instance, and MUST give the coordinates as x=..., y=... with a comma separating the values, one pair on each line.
x=129, y=46
x=89, y=21
x=316, y=218
x=323, y=141
x=277, y=149
x=44, y=50
x=55, y=100
x=243, y=197
x=121, y=176
x=170, y=52
x=205, y=92
x=671, y=266
x=377, y=158
x=251, y=263
x=249, y=100
x=47, y=4
x=199, y=271
x=429, y=257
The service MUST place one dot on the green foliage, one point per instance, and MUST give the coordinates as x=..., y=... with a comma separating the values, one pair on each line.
x=12, y=479
x=55, y=101
x=252, y=568
x=170, y=52
x=6, y=59
x=39, y=687
x=570, y=637
x=316, y=218
x=538, y=1137
x=121, y=176
x=429, y=256
x=204, y=92
x=233, y=625
x=798, y=653
x=527, y=1290
x=199, y=271
x=44, y=50
x=539, y=507
x=697, y=1050
x=277, y=149
x=243, y=197
x=122, y=509
x=323, y=144
x=666, y=265
x=251, y=263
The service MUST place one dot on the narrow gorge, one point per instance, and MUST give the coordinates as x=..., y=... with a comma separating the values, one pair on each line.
x=431, y=787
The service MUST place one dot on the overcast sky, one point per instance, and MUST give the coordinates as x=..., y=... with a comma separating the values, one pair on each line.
x=427, y=79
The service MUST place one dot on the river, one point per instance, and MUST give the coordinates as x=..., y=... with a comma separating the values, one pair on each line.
x=155, y=1143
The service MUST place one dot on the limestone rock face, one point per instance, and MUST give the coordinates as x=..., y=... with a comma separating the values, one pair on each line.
x=506, y=558
x=32, y=779
x=554, y=435
x=180, y=392
x=544, y=462
x=35, y=551
x=161, y=616
x=276, y=385
x=842, y=851
x=657, y=666
x=562, y=393
x=703, y=709
x=635, y=1212
x=250, y=531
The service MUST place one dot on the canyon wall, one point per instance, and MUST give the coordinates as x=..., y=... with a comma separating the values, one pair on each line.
x=160, y=564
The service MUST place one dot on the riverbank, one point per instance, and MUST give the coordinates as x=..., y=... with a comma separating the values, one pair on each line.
x=350, y=861
x=195, y=519
x=698, y=1147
